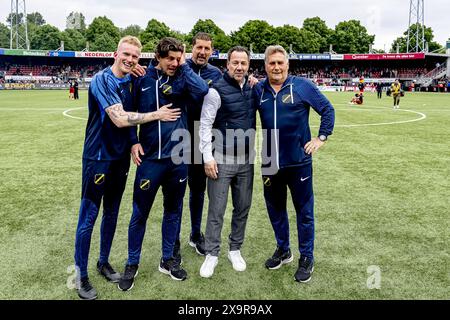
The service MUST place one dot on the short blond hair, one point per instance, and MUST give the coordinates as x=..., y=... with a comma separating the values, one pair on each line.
x=131, y=40
x=270, y=50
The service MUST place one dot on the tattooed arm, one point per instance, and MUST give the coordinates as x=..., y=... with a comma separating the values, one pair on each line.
x=122, y=118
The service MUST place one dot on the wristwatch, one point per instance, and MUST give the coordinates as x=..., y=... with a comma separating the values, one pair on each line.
x=323, y=137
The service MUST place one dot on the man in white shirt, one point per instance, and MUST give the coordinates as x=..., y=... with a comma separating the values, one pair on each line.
x=227, y=112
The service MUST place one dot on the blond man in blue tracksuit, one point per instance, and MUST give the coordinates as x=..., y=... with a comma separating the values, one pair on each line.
x=284, y=104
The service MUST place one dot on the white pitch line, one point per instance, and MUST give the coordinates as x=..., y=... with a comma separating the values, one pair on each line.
x=30, y=109
x=437, y=110
x=66, y=113
x=371, y=110
x=422, y=117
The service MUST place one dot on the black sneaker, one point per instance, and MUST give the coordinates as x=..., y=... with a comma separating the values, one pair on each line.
x=305, y=269
x=86, y=291
x=198, y=242
x=177, y=252
x=108, y=272
x=173, y=269
x=126, y=282
x=279, y=258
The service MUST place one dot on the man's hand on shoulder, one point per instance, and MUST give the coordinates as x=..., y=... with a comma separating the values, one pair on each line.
x=183, y=56
x=252, y=81
x=138, y=70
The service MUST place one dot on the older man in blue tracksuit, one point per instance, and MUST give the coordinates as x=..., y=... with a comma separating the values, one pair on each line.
x=170, y=81
x=284, y=104
x=201, y=51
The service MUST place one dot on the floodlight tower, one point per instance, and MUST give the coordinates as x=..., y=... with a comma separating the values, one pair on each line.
x=18, y=24
x=416, y=27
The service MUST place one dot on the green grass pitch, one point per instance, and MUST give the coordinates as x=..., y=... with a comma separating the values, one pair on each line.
x=382, y=190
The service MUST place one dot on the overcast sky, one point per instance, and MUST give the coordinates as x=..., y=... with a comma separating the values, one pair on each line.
x=387, y=19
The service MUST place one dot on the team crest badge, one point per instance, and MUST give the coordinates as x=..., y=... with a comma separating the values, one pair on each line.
x=167, y=89
x=99, y=178
x=144, y=184
x=286, y=98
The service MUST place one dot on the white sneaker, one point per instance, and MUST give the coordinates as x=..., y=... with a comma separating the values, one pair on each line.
x=207, y=268
x=237, y=260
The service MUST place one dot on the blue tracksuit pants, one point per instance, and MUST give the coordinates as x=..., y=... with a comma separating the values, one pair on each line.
x=101, y=180
x=299, y=180
x=150, y=175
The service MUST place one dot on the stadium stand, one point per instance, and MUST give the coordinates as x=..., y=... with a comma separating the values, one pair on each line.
x=419, y=72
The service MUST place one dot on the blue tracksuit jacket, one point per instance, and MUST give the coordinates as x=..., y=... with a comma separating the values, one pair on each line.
x=288, y=113
x=210, y=74
x=155, y=90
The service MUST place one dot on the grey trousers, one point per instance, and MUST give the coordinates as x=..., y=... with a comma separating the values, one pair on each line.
x=240, y=178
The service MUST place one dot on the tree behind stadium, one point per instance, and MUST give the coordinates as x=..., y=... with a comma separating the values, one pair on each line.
x=102, y=35
x=401, y=41
x=351, y=37
x=222, y=42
